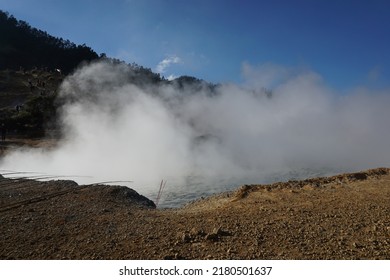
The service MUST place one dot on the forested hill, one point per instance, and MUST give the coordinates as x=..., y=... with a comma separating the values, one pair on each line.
x=28, y=84
x=24, y=46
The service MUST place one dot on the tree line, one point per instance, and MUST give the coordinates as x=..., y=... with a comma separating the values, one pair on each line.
x=24, y=46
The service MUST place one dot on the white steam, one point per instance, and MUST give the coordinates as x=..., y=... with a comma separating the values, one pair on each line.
x=118, y=131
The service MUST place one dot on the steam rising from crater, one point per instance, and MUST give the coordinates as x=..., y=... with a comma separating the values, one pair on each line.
x=116, y=130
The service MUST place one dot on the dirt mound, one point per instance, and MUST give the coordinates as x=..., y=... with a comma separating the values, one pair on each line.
x=339, y=217
x=315, y=182
x=21, y=192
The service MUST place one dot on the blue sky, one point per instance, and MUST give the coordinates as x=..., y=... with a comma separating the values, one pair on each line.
x=346, y=42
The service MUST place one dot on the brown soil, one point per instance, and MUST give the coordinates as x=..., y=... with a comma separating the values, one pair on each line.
x=340, y=217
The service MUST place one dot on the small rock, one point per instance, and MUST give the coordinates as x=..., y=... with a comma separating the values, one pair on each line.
x=212, y=237
x=196, y=232
x=220, y=232
x=217, y=231
x=185, y=238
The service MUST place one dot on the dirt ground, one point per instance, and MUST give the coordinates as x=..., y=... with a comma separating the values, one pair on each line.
x=340, y=217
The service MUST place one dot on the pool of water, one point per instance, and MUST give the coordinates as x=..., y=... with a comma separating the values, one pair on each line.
x=178, y=192
x=193, y=188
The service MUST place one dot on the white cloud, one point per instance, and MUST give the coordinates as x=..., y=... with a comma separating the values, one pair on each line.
x=166, y=62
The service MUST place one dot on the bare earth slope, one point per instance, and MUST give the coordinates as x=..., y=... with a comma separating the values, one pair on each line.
x=340, y=217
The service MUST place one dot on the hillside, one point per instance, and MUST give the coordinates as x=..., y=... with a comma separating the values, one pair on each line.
x=32, y=66
x=25, y=47
x=28, y=101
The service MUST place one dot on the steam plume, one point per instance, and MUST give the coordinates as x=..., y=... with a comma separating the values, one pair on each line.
x=116, y=130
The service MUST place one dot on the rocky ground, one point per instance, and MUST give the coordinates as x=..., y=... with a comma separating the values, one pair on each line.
x=340, y=217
